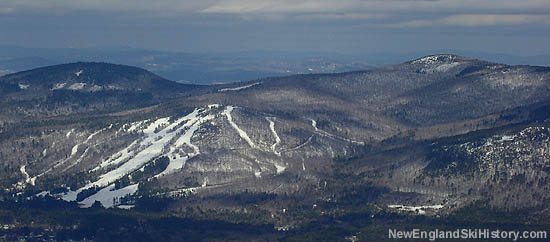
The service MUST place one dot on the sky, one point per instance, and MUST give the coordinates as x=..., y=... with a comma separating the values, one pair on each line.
x=519, y=27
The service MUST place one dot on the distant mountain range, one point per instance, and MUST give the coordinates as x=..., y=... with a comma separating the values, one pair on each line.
x=428, y=137
x=211, y=68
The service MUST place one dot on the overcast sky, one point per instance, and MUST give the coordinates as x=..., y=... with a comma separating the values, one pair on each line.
x=520, y=27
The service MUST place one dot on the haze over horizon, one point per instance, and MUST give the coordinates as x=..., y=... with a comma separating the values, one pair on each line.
x=349, y=26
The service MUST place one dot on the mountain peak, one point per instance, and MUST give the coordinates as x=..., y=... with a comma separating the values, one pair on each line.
x=439, y=59
x=89, y=77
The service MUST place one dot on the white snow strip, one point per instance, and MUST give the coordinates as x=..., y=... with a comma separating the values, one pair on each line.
x=179, y=192
x=327, y=134
x=127, y=207
x=303, y=166
x=227, y=112
x=507, y=138
x=274, y=132
x=42, y=194
x=23, y=86
x=69, y=133
x=45, y=152
x=238, y=88
x=93, y=134
x=107, y=195
x=59, y=85
x=77, y=160
x=74, y=150
x=25, y=174
x=77, y=86
x=78, y=73
x=419, y=209
x=302, y=145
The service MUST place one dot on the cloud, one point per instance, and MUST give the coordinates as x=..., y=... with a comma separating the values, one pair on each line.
x=375, y=6
x=6, y=10
x=473, y=20
x=289, y=6
x=108, y=5
x=279, y=6
x=495, y=19
x=340, y=16
x=390, y=13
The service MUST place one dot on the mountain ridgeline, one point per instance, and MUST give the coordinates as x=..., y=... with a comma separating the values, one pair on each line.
x=82, y=87
x=427, y=137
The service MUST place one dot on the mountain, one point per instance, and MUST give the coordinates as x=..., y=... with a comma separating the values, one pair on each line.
x=192, y=68
x=227, y=67
x=439, y=136
x=83, y=87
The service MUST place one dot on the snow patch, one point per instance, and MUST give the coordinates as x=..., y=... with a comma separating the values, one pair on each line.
x=126, y=207
x=69, y=196
x=59, y=85
x=77, y=86
x=42, y=194
x=434, y=59
x=78, y=72
x=238, y=88
x=446, y=67
x=107, y=195
x=69, y=133
x=418, y=209
x=507, y=138
x=280, y=169
x=95, y=88
x=23, y=86
x=74, y=150
x=440, y=68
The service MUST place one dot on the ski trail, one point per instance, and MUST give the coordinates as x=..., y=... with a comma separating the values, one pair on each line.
x=74, y=150
x=327, y=134
x=302, y=144
x=227, y=113
x=154, y=145
x=274, y=132
x=108, y=195
x=238, y=88
x=185, y=139
x=25, y=174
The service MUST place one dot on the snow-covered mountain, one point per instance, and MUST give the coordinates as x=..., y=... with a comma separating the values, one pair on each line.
x=433, y=135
